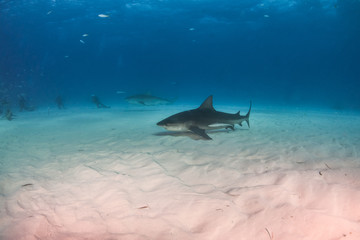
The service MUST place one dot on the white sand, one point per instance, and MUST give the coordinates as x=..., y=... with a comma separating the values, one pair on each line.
x=102, y=174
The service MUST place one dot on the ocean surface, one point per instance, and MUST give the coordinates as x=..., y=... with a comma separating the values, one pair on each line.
x=289, y=53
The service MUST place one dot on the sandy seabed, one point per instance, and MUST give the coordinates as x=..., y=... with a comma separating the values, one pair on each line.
x=106, y=174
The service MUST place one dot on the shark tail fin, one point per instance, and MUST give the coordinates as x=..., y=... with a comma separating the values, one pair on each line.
x=247, y=116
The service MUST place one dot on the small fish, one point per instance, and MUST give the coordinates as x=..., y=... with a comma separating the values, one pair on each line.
x=85, y=35
x=191, y=29
x=82, y=41
x=103, y=15
x=266, y=16
x=120, y=92
x=49, y=12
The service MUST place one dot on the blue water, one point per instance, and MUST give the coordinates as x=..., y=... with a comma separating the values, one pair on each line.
x=273, y=52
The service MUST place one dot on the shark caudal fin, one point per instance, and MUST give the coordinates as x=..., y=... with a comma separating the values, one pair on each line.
x=245, y=117
x=248, y=115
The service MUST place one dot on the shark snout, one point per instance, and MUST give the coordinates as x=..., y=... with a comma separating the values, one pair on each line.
x=161, y=124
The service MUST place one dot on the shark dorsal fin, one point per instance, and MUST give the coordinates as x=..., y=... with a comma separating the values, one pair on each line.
x=207, y=104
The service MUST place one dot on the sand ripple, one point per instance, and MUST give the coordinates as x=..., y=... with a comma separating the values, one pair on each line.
x=293, y=175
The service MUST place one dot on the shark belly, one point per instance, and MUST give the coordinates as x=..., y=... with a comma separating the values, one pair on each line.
x=219, y=126
x=177, y=128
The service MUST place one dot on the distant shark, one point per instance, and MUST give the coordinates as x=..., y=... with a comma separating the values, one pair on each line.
x=147, y=100
x=203, y=118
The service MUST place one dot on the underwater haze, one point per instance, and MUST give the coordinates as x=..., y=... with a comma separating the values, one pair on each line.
x=299, y=52
x=120, y=119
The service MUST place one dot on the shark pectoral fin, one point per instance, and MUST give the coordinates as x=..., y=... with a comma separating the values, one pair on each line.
x=200, y=132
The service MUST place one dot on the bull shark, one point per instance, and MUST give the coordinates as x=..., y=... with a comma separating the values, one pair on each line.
x=204, y=118
x=147, y=100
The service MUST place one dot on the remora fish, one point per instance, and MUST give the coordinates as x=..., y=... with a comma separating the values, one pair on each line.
x=203, y=118
x=147, y=100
